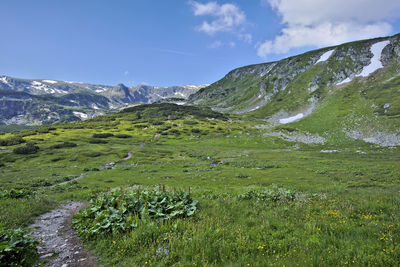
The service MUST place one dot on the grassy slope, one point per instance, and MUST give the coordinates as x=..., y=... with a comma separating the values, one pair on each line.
x=347, y=107
x=358, y=105
x=352, y=221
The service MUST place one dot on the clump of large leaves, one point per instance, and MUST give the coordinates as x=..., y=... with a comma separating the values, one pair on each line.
x=15, y=193
x=121, y=211
x=16, y=248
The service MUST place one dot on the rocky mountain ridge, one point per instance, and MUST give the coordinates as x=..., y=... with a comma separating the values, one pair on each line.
x=249, y=88
x=345, y=89
x=34, y=101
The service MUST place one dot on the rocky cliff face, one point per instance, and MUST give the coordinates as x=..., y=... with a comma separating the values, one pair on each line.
x=47, y=101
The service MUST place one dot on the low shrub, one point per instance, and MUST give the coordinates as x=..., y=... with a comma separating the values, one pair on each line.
x=141, y=126
x=17, y=248
x=175, y=132
x=92, y=154
x=12, y=141
x=165, y=128
x=190, y=122
x=57, y=159
x=121, y=211
x=29, y=148
x=123, y=136
x=97, y=141
x=45, y=129
x=195, y=130
x=41, y=182
x=64, y=145
x=102, y=135
x=157, y=122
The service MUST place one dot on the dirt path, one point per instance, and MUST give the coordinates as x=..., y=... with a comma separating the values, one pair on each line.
x=59, y=244
x=75, y=179
x=129, y=156
x=101, y=169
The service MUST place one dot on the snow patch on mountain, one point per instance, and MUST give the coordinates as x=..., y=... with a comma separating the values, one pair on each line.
x=347, y=80
x=291, y=119
x=40, y=86
x=191, y=86
x=376, y=63
x=325, y=56
x=72, y=82
x=80, y=115
x=160, y=96
x=257, y=107
x=36, y=83
x=4, y=79
x=49, y=81
x=180, y=94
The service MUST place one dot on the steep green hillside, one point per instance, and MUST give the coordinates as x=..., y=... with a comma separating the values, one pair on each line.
x=333, y=95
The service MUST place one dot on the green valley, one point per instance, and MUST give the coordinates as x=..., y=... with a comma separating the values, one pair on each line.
x=279, y=164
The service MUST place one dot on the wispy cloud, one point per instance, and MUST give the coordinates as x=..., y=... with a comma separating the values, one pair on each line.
x=219, y=44
x=326, y=22
x=176, y=52
x=126, y=73
x=224, y=18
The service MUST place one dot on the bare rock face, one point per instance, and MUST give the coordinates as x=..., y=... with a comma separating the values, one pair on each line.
x=378, y=138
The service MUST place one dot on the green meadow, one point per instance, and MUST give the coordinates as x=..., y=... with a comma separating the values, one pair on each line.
x=262, y=201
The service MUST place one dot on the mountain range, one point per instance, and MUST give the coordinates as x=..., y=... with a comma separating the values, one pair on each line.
x=34, y=101
x=349, y=91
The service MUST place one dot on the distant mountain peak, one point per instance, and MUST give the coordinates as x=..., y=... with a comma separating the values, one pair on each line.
x=57, y=101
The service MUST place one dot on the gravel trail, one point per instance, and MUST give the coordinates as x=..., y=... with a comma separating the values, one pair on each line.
x=59, y=245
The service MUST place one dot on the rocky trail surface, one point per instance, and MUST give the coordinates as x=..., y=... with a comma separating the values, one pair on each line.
x=59, y=244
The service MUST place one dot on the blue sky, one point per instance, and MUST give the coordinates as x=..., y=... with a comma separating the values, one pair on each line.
x=160, y=42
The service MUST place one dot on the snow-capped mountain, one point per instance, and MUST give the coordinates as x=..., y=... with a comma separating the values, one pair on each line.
x=25, y=101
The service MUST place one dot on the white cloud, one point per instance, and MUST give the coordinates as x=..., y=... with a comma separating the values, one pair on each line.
x=225, y=17
x=126, y=73
x=326, y=22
